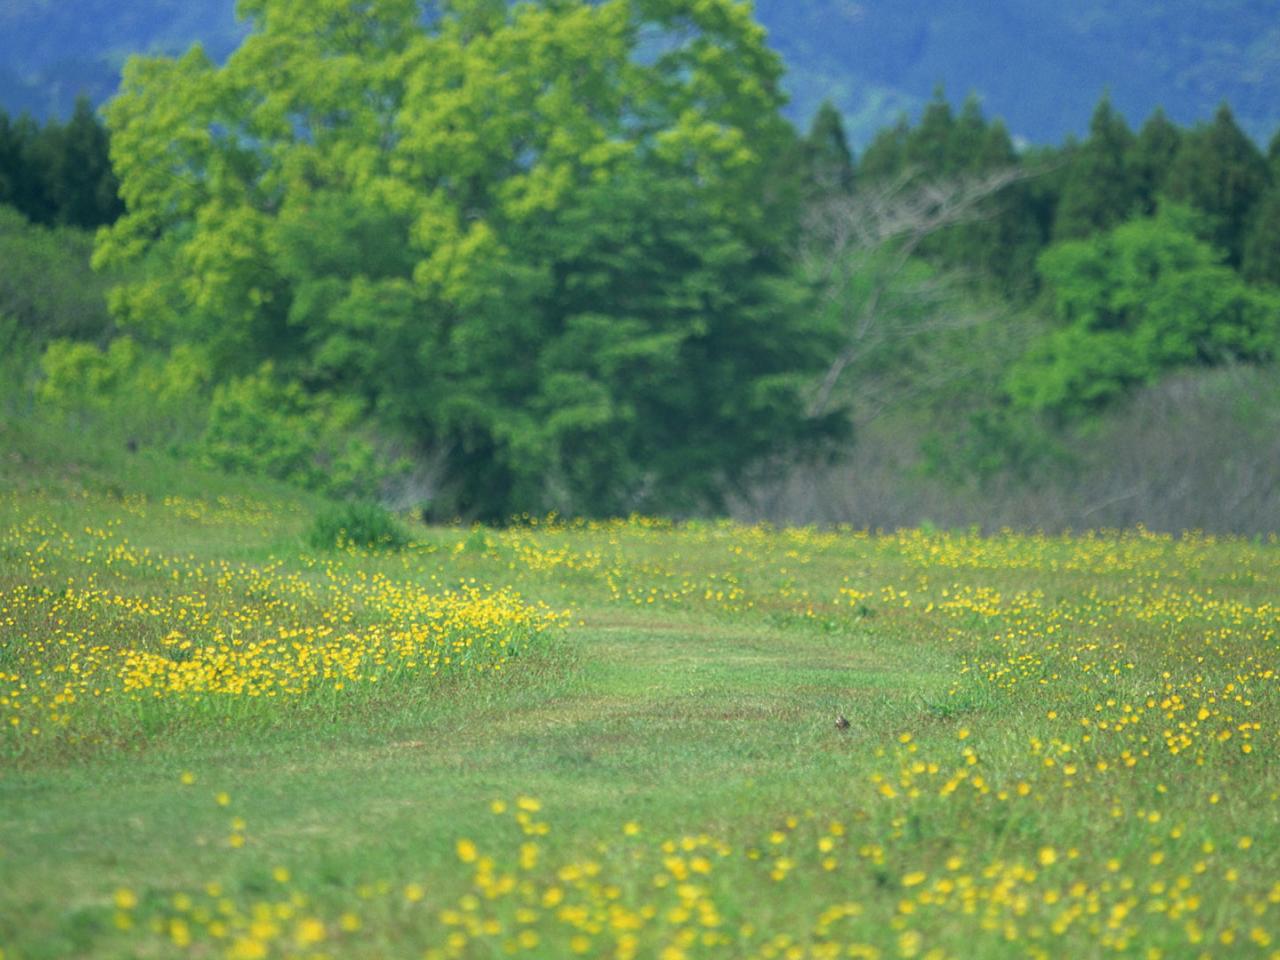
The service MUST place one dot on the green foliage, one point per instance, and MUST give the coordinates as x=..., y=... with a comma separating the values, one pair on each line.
x=124, y=388
x=1151, y=159
x=519, y=234
x=999, y=248
x=261, y=424
x=828, y=161
x=1100, y=189
x=1221, y=172
x=1130, y=304
x=46, y=286
x=1262, y=244
x=991, y=442
x=365, y=525
x=58, y=173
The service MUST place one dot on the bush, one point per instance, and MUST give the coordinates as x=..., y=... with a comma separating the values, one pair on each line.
x=125, y=388
x=270, y=427
x=46, y=285
x=366, y=525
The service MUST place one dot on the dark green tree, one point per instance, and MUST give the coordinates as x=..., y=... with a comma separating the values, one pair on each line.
x=81, y=184
x=886, y=155
x=1221, y=172
x=1099, y=189
x=1152, y=157
x=1261, y=262
x=929, y=150
x=828, y=161
x=58, y=174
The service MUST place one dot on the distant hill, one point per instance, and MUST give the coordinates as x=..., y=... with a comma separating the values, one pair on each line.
x=1039, y=65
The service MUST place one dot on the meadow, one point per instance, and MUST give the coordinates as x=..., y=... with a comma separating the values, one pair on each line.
x=618, y=739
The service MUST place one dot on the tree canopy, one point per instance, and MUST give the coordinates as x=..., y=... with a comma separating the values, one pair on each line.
x=536, y=238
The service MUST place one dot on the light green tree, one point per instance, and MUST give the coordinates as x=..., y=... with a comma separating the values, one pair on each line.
x=1130, y=304
x=535, y=237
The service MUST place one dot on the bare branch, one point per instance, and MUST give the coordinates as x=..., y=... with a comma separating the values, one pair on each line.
x=887, y=222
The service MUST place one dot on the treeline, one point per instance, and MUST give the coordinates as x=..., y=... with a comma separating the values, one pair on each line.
x=1074, y=191
x=59, y=174
x=1114, y=261
x=571, y=257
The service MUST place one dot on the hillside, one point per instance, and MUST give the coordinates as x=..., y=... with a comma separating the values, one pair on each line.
x=1040, y=66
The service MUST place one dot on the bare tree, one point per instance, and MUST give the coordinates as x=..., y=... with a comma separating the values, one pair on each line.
x=868, y=237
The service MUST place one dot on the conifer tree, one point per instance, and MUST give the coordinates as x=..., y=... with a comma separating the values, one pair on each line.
x=1261, y=262
x=82, y=185
x=828, y=159
x=929, y=149
x=1152, y=157
x=1099, y=190
x=886, y=155
x=1221, y=172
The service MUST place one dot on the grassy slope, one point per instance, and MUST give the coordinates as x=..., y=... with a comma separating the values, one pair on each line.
x=694, y=691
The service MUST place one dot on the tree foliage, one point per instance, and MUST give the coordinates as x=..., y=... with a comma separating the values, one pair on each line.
x=58, y=174
x=1147, y=297
x=537, y=237
x=1220, y=171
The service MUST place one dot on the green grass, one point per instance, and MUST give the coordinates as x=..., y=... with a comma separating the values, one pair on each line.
x=692, y=691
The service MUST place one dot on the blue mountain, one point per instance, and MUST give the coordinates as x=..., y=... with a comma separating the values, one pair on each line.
x=1039, y=65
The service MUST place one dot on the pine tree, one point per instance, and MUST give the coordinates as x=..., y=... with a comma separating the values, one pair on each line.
x=928, y=149
x=1152, y=156
x=82, y=185
x=1099, y=191
x=828, y=160
x=10, y=154
x=1262, y=243
x=886, y=156
x=1221, y=172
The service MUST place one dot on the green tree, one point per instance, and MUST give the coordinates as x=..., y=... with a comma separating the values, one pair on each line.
x=1220, y=171
x=1143, y=298
x=886, y=155
x=1262, y=243
x=1099, y=189
x=827, y=158
x=82, y=186
x=535, y=237
x=1152, y=157
x=929, y=150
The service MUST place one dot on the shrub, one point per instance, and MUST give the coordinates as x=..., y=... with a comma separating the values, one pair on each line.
x=270, y=427
x=366, y=525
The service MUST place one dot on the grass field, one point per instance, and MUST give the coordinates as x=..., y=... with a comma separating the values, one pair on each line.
x=619, y=739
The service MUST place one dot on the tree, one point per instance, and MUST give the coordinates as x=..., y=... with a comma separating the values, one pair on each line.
x=82, y=185
x=1132, y=303
x=1099, y=190
x=1220, y=171
x=1261, y=262
x=929, y=149
x=534, y=237
x=1152, y=157
x=828, y=160
x=886, y=155
x=860, y=253
x=59, y=173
